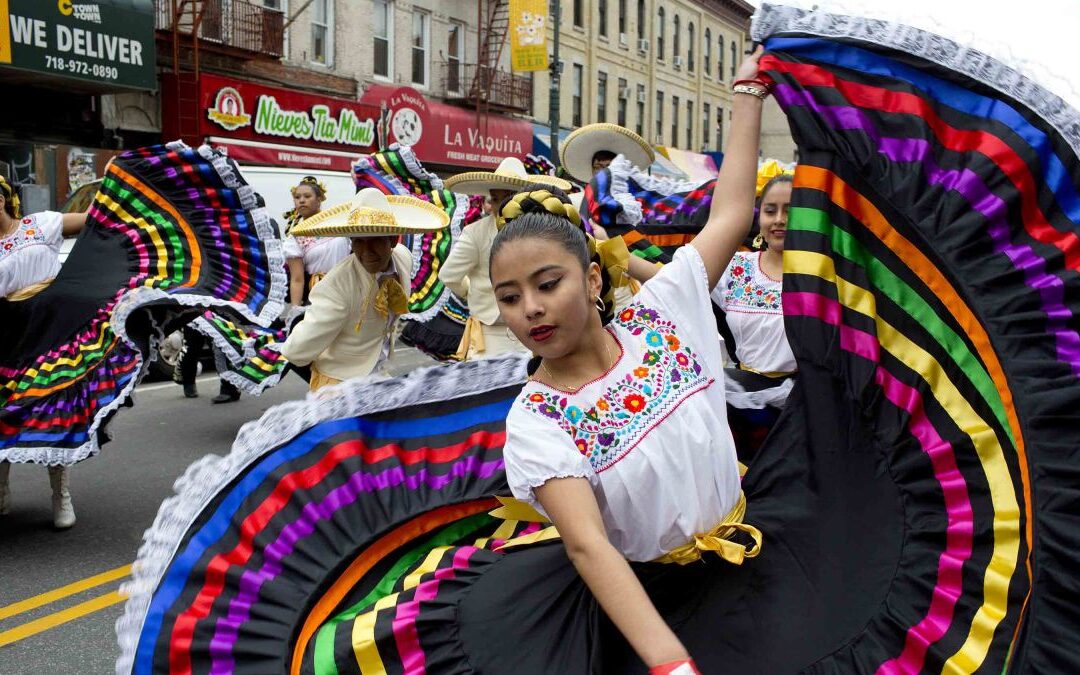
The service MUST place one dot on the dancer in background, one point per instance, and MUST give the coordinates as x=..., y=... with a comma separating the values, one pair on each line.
x=29, y=261
x=350, y=327
x=465, y=271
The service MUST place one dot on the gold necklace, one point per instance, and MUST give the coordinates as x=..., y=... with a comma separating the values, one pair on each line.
x=560, y=385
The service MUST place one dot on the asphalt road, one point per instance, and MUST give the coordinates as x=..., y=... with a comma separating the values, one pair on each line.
x=116, y=496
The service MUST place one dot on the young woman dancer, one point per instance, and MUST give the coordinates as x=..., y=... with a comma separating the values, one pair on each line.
x=639, y=402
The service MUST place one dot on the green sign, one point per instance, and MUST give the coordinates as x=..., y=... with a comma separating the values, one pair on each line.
x=109, y=42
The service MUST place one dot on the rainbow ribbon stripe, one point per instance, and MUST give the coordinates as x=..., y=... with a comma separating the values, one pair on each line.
x=239, y=582
x=933, y=244
x=171, y=227
x=670, y=217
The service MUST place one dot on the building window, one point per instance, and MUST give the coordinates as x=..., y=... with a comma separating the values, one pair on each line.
x=579, y=76
x=624, y=91
x=689, y=125
x=421, y=43
x=640, y=127
x=659, y=117
x=384, y=35
x=690, y=47
x=601, y=98
x=454, y=48
x=322, y=37
x=674, y=121
x=661, y=28
x=622, y=17
x=706, y=121
x=720, y=127
x=708, y=52
x=641, y=19
x=720, y=59
x=579, y=13
x=734, y=58
x=676, y=38
x=601, y=18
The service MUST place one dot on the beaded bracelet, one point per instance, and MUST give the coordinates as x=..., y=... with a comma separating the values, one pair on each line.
x=761, y=83
x=752, y=90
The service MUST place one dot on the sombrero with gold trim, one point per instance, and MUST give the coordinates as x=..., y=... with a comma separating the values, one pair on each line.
x=370, y=213
x=580, y=146
x=510, y=175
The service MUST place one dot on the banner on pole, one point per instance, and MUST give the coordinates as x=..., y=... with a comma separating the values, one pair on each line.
x=528, y=35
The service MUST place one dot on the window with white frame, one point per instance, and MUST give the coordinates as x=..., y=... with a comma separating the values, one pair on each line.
x=661, y=28
x=640, y=126
x=383, y=31
x=720, y=60
x=455, y=47
x=706, y=122
x=578, y=84
x=708, y=52
x=322, y=34
x=624, y=91
x=601, y=97
x=421, y=45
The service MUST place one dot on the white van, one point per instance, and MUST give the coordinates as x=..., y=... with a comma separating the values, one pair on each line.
x=275, y=185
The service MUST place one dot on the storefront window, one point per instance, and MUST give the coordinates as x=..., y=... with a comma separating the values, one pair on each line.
x=454, y=48
x=384, y=35
x=421, y=35
x=321, y=36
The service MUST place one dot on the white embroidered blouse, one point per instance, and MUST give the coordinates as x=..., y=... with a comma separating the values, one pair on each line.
x=755, y=314
x=30, y=254
x=651, y=435
x=319, y=254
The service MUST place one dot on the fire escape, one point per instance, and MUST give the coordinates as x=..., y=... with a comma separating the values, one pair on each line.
x=482, y=85
x=221, y=33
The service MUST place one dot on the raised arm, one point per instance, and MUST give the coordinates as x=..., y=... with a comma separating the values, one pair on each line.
x=572, y=506
x=73, y=223
x=733, y=197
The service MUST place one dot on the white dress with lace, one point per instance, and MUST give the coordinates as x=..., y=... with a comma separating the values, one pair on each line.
x=651, y=435
x=30, y=254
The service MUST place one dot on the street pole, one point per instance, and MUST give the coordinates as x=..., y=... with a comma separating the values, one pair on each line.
x=556, y=75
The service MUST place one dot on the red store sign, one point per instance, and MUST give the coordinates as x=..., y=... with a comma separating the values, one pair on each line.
x=445, y=134
x=282, y=127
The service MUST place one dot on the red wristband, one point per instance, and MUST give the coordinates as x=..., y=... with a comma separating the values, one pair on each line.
x=683, y=667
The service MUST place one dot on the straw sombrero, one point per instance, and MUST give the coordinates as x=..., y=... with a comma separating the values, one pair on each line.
x=371, y=213
x=580, y=146
x=510, y=175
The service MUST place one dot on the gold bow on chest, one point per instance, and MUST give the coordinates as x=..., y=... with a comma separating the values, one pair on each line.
x=389, y=297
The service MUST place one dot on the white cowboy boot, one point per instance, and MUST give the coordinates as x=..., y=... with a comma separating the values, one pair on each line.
x=63, y=512
x=5, y=493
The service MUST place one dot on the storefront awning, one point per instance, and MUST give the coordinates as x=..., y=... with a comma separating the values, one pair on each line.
x=278, y=154
x=103, y=46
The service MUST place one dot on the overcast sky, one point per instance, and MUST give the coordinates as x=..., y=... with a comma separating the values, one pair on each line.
x=1039, y=37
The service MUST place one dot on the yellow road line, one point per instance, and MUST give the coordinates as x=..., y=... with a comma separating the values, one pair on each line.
x=63, y=592
x=53, y=620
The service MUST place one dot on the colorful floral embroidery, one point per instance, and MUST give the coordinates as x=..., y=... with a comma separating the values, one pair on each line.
x=604, y=429
x=23, y=237
x=748, y=289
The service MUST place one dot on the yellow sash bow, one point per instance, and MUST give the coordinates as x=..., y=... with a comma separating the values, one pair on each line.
x=389, y=297
x=717, y=540
x=27, y=292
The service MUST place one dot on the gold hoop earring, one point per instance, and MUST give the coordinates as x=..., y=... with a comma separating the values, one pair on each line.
x=759, y=242
x=600, y=306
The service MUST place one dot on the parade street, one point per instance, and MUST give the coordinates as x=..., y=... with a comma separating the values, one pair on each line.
x=57, y=613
